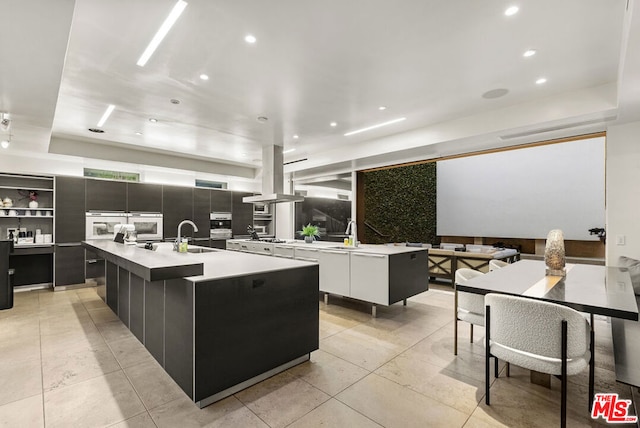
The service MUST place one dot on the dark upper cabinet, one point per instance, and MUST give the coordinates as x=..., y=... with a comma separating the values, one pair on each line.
x=221, y=201
x=69, y=209
x=103, y=195
x=242, y=213
x=177, y=205
x=201, y=207
x=144, y=197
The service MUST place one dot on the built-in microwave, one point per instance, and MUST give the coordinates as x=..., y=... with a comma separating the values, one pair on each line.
x=148, y=226
x=260, y=208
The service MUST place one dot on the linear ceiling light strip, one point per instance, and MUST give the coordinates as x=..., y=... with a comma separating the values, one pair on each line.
x=106, y=115
x=379, y=125
x=162, y=32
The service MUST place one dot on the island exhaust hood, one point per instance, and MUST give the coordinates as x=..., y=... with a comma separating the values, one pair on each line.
x=272, y=179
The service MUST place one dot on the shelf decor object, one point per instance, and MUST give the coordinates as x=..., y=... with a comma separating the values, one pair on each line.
x=554, y=256
x=310, y=233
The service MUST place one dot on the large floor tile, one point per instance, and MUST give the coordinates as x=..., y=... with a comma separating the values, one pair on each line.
x=73, y=366
x=114, y=330
x=451, y=388
x=20, y=379
x=184, y=413
x=328, y=373
x=130, y=351
x=76, y=339
x=153, y=385
x=25, y=413
x=362, y=347
x=282, y=399
x=102, y=315
x=392, y=405
x=100, y=401
x=334, y=414
x=143, y=420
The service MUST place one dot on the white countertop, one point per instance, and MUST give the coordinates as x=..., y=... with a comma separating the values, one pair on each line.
x=362, y=248
x=216, y=264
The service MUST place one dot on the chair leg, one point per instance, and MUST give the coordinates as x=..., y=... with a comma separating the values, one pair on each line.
x=495, y=366
x=592, y=362
x=508, y=367
x=563, y=405
x=471, y=334
x=487, y=353
x=455, y=321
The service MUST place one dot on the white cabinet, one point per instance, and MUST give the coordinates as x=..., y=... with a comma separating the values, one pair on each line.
x=285, y=251
x=370, y=277
x=334, y=272
x=307, y=254
x=233, y=245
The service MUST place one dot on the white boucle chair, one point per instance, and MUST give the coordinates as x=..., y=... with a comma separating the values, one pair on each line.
x=537, y=335
x=496, y=264
x=468, y=307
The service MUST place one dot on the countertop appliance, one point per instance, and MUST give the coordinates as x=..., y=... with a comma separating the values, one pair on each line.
x=220, y=225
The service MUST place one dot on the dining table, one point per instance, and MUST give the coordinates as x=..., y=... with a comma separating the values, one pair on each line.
x=592, y=289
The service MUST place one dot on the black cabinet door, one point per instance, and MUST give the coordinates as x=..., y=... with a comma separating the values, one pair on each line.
x=69, y=209
x=201, y=209
x=68, y=265
x=103, y=195
x=144, y=197
x=177, y=205
x=242, y=213
x=221, y=201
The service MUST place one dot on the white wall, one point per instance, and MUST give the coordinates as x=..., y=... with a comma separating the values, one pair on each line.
x=623, y=191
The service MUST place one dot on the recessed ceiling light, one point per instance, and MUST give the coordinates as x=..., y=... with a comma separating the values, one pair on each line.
x=204, y=76
x=162, y=32
x=382, y=108
x=106, y=115
x=368, y=128
x=495, y=93
x=511, y=10
x=529, y=52
x=288, y=151
x=295, y=137
x=174, y=101
x=541, y=80
x=96, y=130
x=5, y=144
x=249, y=38
x=138, y=133
x=333, y=124
x=153, y=120
x=262, y=119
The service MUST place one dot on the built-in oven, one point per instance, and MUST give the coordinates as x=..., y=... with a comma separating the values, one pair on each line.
x=103, y=225
x=148, y=226
x=220, y=225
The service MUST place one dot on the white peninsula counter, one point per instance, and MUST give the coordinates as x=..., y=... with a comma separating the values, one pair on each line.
x=378, y=274
x=215, y=320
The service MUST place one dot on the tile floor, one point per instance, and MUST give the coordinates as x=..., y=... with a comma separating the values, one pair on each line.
x=67, y=361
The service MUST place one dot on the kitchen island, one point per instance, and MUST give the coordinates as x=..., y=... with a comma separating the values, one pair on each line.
x=378, y=274
x=217, y=321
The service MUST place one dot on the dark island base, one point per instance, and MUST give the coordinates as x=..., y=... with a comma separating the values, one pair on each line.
x=217, y=337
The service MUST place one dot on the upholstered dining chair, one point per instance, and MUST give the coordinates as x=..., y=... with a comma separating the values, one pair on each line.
x=468, y=307
x=496, y=264
x=537, y=335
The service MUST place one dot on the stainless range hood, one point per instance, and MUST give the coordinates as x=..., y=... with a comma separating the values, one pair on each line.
x=272, y=179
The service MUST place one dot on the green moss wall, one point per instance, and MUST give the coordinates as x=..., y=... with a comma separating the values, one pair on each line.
x=401, y=202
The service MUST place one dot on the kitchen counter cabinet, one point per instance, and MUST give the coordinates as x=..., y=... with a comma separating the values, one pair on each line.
x=334, y=272
x=370, y=278
x=244, y=319
x=69, y=265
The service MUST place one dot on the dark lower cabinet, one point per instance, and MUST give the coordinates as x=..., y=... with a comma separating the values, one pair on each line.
x=69, y=265
x=136, y=306
x=219, y=243
x=123, y=296
x=29, y=269
x=154, y=319
x=111, y=282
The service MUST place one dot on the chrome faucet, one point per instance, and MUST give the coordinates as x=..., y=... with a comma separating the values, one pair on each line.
x=176, y=244
x=354, y=231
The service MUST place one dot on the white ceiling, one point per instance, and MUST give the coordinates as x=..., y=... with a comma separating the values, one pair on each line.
x=313, y=63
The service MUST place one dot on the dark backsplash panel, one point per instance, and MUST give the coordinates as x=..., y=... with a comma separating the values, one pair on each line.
x=400, y=203
x=330, y=215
